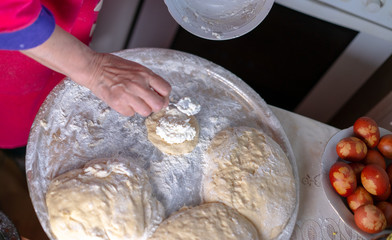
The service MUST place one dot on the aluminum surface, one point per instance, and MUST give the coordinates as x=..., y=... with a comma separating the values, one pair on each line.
x=7, y=229
x=73, y=126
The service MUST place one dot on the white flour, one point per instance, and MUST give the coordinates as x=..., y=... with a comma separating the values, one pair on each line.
x=175, y=127
x=188, y=106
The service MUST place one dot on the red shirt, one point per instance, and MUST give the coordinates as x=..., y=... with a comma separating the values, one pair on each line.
x=24, y=83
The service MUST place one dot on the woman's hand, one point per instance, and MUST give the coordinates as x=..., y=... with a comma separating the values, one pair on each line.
x=126, y=86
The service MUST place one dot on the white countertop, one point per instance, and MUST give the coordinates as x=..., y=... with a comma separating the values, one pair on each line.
x=316, y=218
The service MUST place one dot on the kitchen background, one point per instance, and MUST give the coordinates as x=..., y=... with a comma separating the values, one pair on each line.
x=330, y=63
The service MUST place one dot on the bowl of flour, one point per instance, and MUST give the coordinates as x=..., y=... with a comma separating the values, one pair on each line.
x=219, y=19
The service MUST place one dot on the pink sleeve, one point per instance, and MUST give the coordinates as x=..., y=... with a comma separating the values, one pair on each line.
x=18, y=14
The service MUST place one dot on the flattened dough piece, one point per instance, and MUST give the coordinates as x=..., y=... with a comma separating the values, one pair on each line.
x=106, y=199
x=175, y=148
x=213, y=221
x=249, y=172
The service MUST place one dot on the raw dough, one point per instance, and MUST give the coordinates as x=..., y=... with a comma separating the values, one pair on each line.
x=107, y=199
x=249, y=172
x=213, y=221
x=175, y=148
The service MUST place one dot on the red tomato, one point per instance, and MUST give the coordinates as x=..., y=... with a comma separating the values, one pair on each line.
x=357, y=167
x=370, y=219
x=375, y=179
x=343, y=179
x=367, y=129
x=351, y=149
x=358, y=198
x=386, y=208
x=385, y=146
x=375, y=157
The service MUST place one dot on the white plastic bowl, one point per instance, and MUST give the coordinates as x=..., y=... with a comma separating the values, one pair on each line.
x=219, y=19
x=338, y=204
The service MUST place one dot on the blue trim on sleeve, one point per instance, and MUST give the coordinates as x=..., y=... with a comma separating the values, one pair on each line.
x=31, y=36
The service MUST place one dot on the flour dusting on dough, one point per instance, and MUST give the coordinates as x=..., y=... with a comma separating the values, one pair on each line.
x=175, y=127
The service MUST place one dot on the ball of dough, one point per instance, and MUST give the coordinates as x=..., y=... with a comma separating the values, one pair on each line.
x=249, y=172
x=153, y=121
x=107, y=199
x=213, y=221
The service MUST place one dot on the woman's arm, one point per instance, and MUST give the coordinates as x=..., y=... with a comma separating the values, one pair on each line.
x=126, y=86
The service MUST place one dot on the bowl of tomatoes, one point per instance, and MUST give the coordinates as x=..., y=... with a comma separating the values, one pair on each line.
x=357, y=177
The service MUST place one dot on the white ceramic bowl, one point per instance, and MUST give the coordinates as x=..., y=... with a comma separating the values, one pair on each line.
x=219, y=19
x=338, y=204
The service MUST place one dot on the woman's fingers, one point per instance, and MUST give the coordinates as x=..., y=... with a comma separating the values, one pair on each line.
x=149, y=96
x=129, y=96
x=144, y=75
x=117, y=98
x=160, y=85
x=129, y=87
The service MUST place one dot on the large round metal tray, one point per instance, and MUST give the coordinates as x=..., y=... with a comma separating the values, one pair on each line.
x=73, y=126
x=7, y=229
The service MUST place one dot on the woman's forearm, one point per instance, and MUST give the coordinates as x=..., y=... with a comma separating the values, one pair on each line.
x=63, y=53
x=126, y=86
